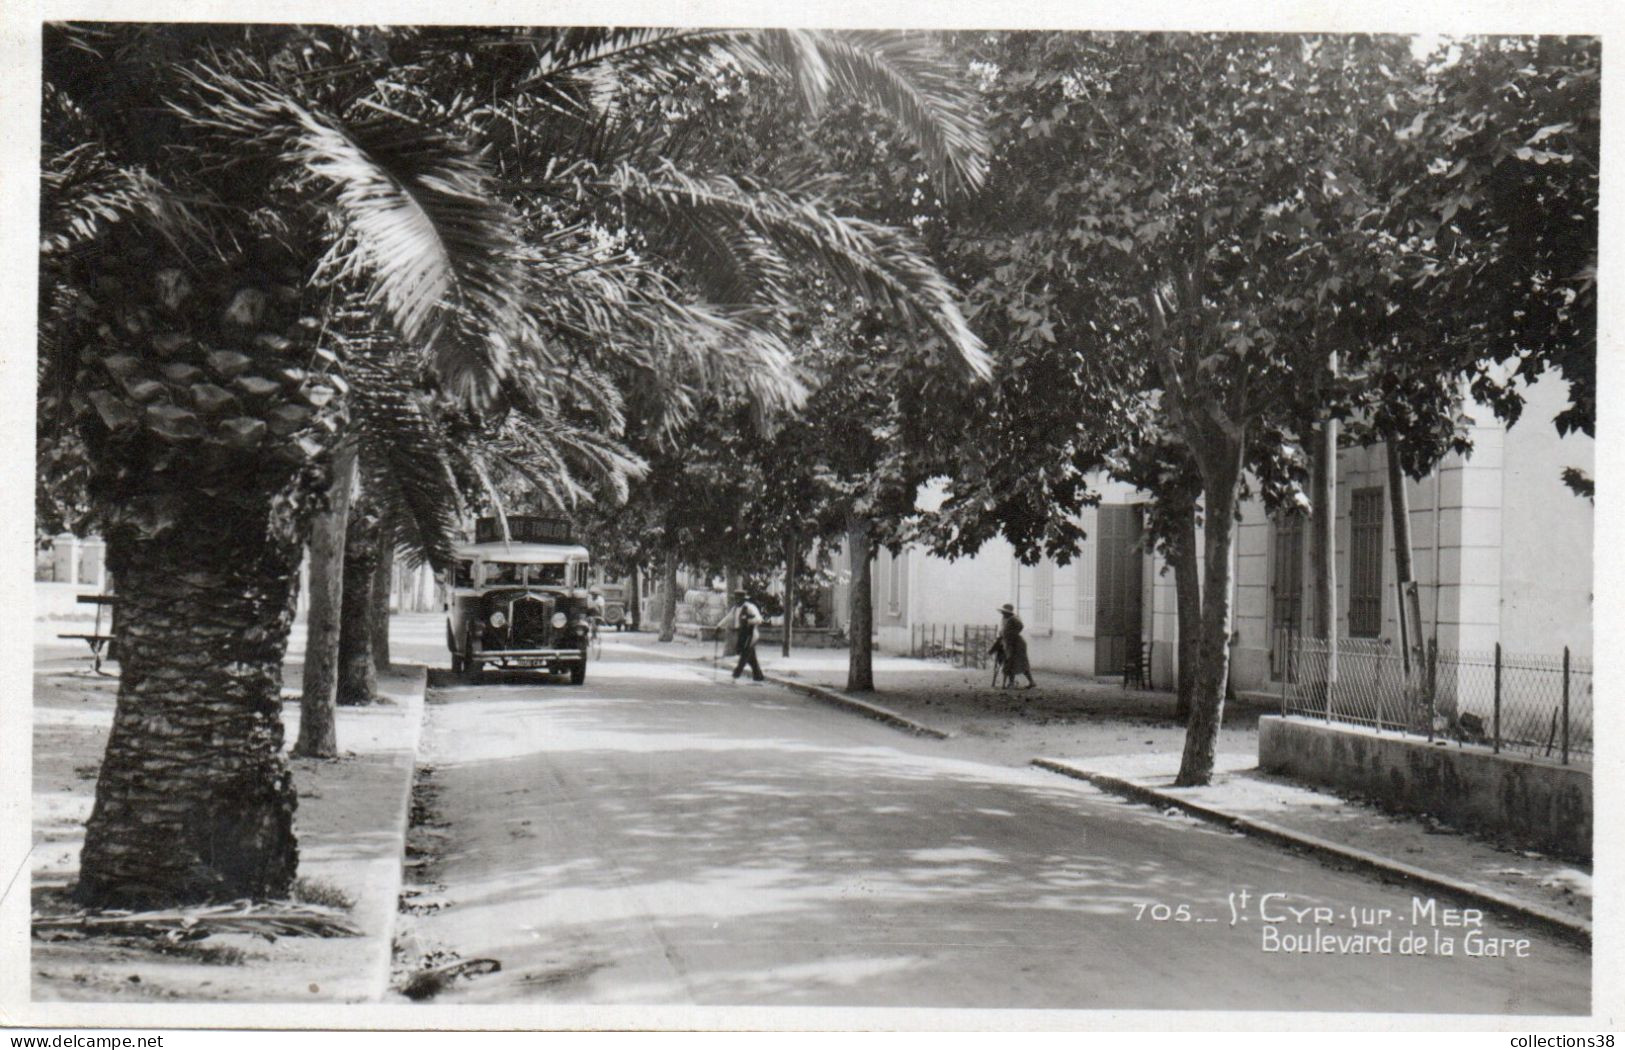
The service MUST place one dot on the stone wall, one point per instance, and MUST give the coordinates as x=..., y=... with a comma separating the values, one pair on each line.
x=1522, y=801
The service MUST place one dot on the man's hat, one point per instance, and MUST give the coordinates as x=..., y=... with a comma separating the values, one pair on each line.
x=741, y=594
x=1008, y=608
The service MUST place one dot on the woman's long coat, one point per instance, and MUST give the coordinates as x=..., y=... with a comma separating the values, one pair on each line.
x=1015, y=647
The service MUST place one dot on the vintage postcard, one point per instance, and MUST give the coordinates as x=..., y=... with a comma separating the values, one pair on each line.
x=746, y=517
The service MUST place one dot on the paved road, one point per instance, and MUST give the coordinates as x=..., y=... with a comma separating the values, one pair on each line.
x=659, y=837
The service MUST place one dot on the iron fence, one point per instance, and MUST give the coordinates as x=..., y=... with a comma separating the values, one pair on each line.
x=1537, y=705
x=962, y=645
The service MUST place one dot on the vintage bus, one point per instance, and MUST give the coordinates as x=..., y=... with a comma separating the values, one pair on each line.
x=520, y=601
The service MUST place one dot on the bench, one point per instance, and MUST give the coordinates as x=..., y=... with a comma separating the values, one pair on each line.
x=96, y=639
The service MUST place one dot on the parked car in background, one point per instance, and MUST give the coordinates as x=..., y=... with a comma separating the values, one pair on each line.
x=615, y=608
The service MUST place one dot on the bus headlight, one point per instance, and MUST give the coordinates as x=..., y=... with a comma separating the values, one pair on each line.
x=498, y=620
x=559, y=619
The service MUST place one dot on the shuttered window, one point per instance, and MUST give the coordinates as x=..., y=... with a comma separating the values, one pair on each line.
x=1365, y=564
x=1044, y=596
x=894, y=584
x=1085, y=623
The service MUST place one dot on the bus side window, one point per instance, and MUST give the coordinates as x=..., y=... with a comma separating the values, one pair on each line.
x=462, y=573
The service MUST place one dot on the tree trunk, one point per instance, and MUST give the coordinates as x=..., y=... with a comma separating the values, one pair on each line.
x=317, y=735
x=383, y=581
x=668, y=597
x=1323, y=548
x=194, y=800
x=1410, y=603
x=1188, y=602
x=792, y=555
x=358, y=675
x=635, y=606
x=1221, y=472
x=860, y=664
x=204, y=526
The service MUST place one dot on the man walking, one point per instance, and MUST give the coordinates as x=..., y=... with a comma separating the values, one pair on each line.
x=746, y=618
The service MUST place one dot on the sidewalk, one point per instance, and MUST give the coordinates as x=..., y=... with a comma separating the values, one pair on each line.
x=1127, y=742
x=351, y=824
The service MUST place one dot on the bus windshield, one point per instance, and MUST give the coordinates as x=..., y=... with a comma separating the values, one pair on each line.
x=551, y=575
x=504, y=573
x=515, y=574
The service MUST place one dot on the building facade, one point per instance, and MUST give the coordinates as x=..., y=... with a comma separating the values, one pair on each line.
x=1501, y=551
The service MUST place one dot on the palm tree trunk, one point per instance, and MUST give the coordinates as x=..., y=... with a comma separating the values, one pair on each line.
x=358, y=675
x=194, y=800
x=860, y=663
x=1188, y=601
x=1221, y=473
x=318, y=737
x=635, y=600
x=668, y=597
x=383, y=580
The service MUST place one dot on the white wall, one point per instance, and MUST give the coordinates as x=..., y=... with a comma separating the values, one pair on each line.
x=970, y=590
x=1501, y=549
x=1546, y=557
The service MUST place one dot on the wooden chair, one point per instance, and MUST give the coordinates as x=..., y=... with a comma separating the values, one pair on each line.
x=1137, y=665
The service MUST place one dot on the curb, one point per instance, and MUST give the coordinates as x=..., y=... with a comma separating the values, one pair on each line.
x=850, y=703
x=382, y=968
x=1564, y=926
x=862, y=707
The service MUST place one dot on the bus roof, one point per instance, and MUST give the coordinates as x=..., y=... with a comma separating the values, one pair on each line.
x=522, y=553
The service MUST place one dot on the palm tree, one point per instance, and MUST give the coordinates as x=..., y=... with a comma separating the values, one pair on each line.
x=197, y=216
x=218, y=201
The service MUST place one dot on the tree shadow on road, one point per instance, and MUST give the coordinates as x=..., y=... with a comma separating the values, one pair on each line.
x=612, y=837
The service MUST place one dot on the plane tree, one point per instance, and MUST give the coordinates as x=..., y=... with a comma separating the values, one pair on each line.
x=1167, y=223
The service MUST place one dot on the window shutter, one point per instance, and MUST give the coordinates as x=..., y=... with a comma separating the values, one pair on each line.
x=1044, y=596
x=1085, y=624
x=1365, y=564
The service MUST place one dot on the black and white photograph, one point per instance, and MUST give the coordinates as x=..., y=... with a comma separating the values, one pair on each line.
x=671, y=520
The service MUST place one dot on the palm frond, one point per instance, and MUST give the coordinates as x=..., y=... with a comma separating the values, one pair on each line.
x=566, y=461
x=403, y=457
x=654, y=59
x=898, y=74
x=83, y=191
x=537, y=388
x=627, y=315
x=420, y=220
x=881, y=264
x=901, y=75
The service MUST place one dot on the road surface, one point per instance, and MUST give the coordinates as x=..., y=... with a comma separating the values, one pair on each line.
x=659, y=836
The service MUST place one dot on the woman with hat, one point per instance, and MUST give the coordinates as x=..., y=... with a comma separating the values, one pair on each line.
x=1013, y=647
